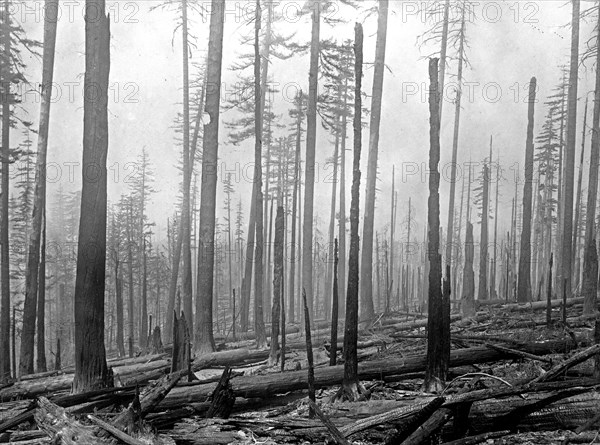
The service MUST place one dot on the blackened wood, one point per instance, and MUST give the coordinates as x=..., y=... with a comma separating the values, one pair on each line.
x=336, y=435
x=309, y=354
x=223, y=397
x=334, y=308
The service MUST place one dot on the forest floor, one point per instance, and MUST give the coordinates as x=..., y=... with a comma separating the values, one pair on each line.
x=513, y=380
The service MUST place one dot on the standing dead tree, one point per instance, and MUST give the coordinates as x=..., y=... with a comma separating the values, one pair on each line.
x=277, y=283
x=91, y=371
x=39, y=204
x=334, y=308
x=208, y=194
x=366, y=290
x=567, y=200
x=524, y=279
x=438, y=351
x=589, y=285
x=350, y=386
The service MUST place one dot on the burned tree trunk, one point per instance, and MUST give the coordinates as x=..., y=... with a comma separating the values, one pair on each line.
x=292, y=274
x=524, y=279
x=277, y=284
x=119, y=297
x=91, y=371
x=549, y=292
x=334, y=308
x=567, y=216
x=468, y=287
x=41, y=304
x=350, y=387
x=311, y=140
x=173, y=282
x=39, y=204
x=482, y=293
x=309, y=352
x=259, y=326
x=366, y=290
x=589, y=284
x=180, y=358
x=6, y=78
x=208, y=194
x=437, y=356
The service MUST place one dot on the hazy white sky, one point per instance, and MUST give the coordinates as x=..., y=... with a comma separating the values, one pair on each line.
x=510, y=41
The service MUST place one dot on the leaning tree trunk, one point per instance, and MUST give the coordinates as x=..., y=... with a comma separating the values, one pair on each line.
x=208, y=194
x=366, y=289
x=437, y=355
x=4, y=221
x=311, y=141
x=589, y=284
x=567, y=229
x=350, y=387
x=524, y=279
x=91, y=371
x=39, y=198
x=277, y=283
x=482, y=293
x=259, y=325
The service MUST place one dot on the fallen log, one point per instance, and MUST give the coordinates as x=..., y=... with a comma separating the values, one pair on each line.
x=410, y=325
x=431, y=426
x=559, y=369
x=392, y=416
x=539, y=305
x=336, y=434
x=521, y=354
x=54, y=421
x=271, y=384
x=115, y=431
x=479, y=438
x=127, y=375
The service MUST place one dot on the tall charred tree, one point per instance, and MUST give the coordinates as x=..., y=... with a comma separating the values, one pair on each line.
x=589, y=285
x=41, y=305
x=208, y=194
x=91, y=371
x=277, y=283
x=524, y=279
x=298, y=114
x=567, y=227
x=482, y=293
x=187, y=176
x=259, y=325
x=366, y=290
x=438, y=352
x=311, y=141
x=5, y=77
x=334, y=308
x=33, y=259
x=467, y=306
x=350, y=386
x=455, y=138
